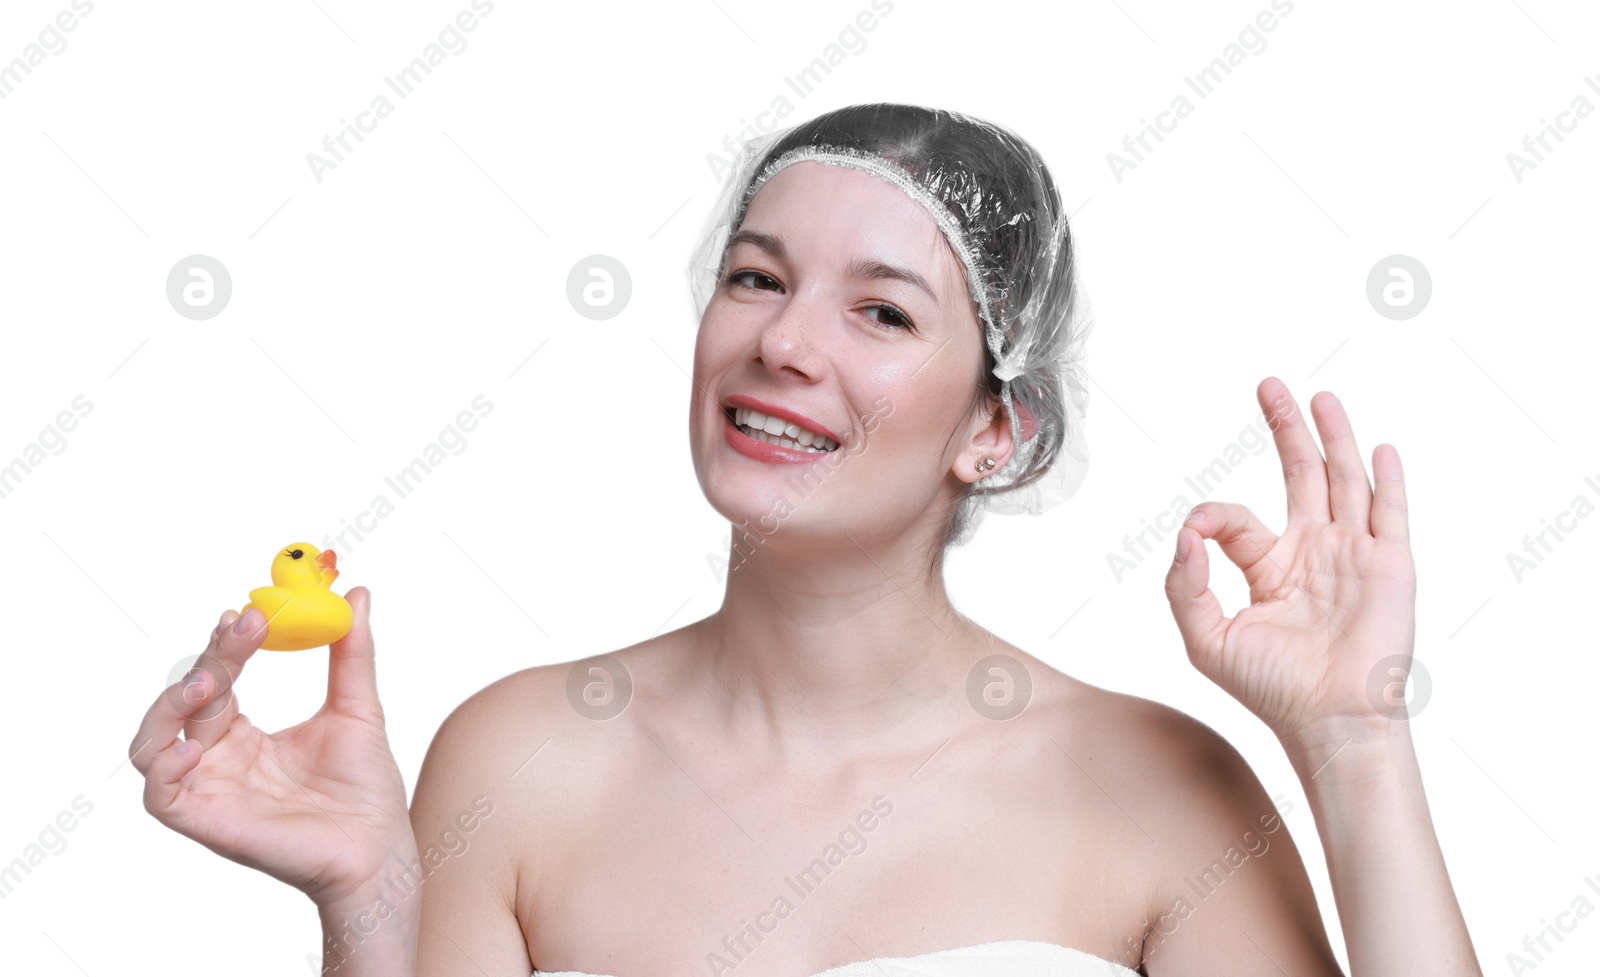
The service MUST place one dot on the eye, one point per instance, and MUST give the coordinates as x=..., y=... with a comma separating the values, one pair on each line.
x=892, y=317
x=297, y=554
x=762, y=281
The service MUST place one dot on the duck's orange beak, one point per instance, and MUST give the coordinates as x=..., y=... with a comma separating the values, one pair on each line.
x=327, y=562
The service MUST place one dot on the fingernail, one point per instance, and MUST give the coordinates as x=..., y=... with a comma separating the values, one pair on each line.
x=193, y=687
x=1183, y=546
x=1195, y=517
x=239, y=627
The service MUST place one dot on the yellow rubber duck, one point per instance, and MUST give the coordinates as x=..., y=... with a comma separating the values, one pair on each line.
x=301, y=611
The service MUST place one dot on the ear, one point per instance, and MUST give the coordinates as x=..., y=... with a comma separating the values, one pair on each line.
x=993, y=440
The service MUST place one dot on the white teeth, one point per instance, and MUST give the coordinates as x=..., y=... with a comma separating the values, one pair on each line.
x=785, y=434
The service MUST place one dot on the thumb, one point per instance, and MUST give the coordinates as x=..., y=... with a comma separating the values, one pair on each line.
x=352, y=662
x=1194, y=606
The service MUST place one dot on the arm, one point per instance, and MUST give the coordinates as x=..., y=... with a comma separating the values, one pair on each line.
x=373, y=933
x=465, y=817
x=444, y=902
x=1332, y=617
x=1391, y=887
x=1231, y=895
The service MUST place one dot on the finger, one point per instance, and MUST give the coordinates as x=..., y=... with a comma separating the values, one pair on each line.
x=1389, y=511
x=1349, y=492
x=1305, y=477
x=352, y=663
x=159, y=728
x=222, y=663
x=1244, y=539
x=163, y=782
x=1194, y=606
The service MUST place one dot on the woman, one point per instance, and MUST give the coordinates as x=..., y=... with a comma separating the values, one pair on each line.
x=837, y=773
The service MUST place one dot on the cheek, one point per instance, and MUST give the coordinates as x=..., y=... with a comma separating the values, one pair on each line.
x=718, y=347
x=921, y=386
x=910, y=409
x=724, y=330
x=711, y=344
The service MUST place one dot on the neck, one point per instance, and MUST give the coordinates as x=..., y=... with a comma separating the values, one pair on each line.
x=823, y=651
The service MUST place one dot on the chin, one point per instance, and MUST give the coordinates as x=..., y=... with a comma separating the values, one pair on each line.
x=754, y=498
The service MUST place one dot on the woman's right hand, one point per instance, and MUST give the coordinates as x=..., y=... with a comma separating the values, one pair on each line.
x=320, y=805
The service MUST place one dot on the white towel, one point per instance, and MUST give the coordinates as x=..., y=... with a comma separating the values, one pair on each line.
x=1002, y=958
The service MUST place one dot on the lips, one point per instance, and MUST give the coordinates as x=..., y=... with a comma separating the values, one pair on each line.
x=764, y=450
x=783, y=413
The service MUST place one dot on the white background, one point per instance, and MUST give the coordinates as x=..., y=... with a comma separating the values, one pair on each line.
x=371, y=307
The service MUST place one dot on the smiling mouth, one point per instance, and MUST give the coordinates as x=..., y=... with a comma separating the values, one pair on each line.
x=779, y=432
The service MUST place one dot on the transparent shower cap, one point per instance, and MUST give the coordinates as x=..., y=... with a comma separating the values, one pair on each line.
x=994, y=200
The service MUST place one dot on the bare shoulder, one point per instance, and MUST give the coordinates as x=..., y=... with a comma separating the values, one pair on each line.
x=533, y=725
x=540, y=741
x=1213, y=847
x=1179, y=760
x=523, y=753
x=498, y=786
x=479, y=758
x=1181, y=780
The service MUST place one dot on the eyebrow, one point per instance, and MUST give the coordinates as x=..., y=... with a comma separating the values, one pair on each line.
x=867, y=268
x=770, y=243
x=871, y=268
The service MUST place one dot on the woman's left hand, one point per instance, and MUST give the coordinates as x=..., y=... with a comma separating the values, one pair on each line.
x=1331, y=598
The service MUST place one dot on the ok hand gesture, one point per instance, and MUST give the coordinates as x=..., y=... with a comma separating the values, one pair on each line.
x=1331, y=598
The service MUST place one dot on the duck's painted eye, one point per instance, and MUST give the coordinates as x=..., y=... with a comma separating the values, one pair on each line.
x=297, y=554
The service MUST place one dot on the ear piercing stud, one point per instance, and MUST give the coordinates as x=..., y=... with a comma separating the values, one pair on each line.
x=985, y=465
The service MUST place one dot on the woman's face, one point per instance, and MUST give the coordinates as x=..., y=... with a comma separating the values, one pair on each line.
x=844, y=313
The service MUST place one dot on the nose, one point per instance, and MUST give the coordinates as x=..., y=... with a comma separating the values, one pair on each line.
x=791, y=341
